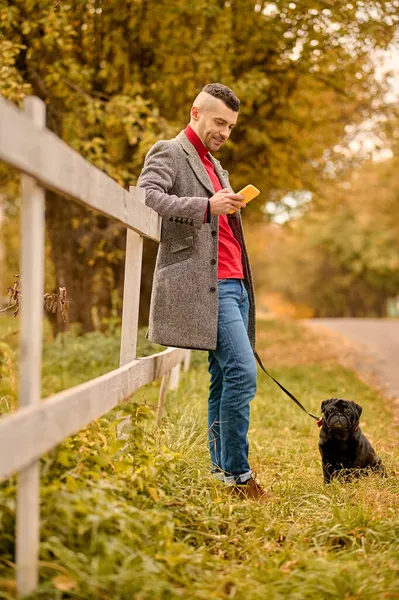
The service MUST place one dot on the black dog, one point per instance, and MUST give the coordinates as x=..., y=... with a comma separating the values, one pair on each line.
x=343, y=447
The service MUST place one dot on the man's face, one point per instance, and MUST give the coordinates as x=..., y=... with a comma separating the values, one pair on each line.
x=214, y=123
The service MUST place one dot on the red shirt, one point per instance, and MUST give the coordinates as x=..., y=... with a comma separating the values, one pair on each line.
x=229, y=250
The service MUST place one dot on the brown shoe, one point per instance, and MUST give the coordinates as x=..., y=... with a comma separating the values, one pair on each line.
x=251, y=490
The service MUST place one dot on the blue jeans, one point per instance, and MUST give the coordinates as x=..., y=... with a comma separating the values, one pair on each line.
x=232, y=368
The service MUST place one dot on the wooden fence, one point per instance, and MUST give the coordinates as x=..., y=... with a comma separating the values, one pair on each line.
x=37, y=426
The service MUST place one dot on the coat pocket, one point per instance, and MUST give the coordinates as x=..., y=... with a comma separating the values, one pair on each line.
x=175, y=251
x=185, y=243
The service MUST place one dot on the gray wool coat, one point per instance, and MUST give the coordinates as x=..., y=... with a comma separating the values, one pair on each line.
x=184, y=299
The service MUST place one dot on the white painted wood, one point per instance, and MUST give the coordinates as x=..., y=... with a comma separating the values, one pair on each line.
x=58, y=167
x=30, y=432
x=161, y=399
x=131, y=297
x=32, y=285
x=174, y=377
x=28, y=529
x=37, y=427
x=187, y=358
x=131, y=289
x=2, y=253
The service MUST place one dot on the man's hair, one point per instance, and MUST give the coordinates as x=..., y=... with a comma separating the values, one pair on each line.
x=222, y=92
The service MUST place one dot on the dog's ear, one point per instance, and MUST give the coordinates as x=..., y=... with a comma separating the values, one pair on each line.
x=325, y=403
x=358, y=409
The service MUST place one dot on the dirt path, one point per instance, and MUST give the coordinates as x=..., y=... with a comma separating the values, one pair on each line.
x=378, y=344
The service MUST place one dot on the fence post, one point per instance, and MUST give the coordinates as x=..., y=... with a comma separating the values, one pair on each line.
x=32, y=285
x=187, y=358
x=131, y=293
x=161, y=399
x=2, y=292
x=174, y=377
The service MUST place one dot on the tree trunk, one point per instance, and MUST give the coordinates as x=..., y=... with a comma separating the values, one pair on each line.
x=70, y=261
x=150, y=250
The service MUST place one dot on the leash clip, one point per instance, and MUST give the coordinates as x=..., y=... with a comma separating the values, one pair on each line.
x=320, y=422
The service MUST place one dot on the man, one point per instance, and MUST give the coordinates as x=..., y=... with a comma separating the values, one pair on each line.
x=202, y=294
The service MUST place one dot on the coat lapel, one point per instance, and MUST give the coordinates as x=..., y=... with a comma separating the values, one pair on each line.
x=195, y=162
x=221, y=173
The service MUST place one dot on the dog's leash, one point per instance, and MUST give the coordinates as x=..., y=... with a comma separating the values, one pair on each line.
x=319, y=420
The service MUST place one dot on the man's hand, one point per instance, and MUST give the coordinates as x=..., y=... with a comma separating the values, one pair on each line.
x=224, y=201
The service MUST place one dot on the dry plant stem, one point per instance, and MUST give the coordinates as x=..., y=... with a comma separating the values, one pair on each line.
x=55, y=302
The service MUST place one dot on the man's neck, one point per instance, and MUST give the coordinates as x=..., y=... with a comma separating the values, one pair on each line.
x=193, y=127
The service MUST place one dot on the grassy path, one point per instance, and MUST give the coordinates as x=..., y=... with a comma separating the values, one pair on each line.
x=148, y=522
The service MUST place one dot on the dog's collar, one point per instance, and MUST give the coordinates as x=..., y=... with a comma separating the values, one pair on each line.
x=320, y=424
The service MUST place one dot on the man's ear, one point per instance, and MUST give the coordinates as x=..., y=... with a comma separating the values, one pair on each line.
x=358, y=409
x=325, y=403
x=195, y=112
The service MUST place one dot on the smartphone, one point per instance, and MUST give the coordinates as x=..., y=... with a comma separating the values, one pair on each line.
x=249, y=192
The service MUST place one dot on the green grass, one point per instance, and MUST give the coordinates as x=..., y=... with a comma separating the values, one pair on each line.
x=67, y=360
x=147, y=521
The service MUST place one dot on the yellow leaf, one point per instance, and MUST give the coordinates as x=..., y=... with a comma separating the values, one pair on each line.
x=64, y=583
x=8, y=584
x=153, y=493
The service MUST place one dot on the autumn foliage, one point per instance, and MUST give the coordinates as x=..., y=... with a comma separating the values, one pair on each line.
x=116, y=76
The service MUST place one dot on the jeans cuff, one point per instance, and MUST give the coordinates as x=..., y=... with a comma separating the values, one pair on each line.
x=234, y=479
x=219, y=475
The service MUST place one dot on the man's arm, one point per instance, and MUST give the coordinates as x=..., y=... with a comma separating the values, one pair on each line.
x=157, y=178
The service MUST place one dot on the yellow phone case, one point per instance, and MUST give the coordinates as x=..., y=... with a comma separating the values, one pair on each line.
x=249, y=192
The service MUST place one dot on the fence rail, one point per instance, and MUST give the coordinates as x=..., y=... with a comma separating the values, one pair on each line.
x=54, y=164
x=45, y=161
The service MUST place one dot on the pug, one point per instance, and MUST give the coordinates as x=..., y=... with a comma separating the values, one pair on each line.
x=343, y=447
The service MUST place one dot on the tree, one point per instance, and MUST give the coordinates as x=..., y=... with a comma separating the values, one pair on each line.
x=117, y=76
x=342, y=257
